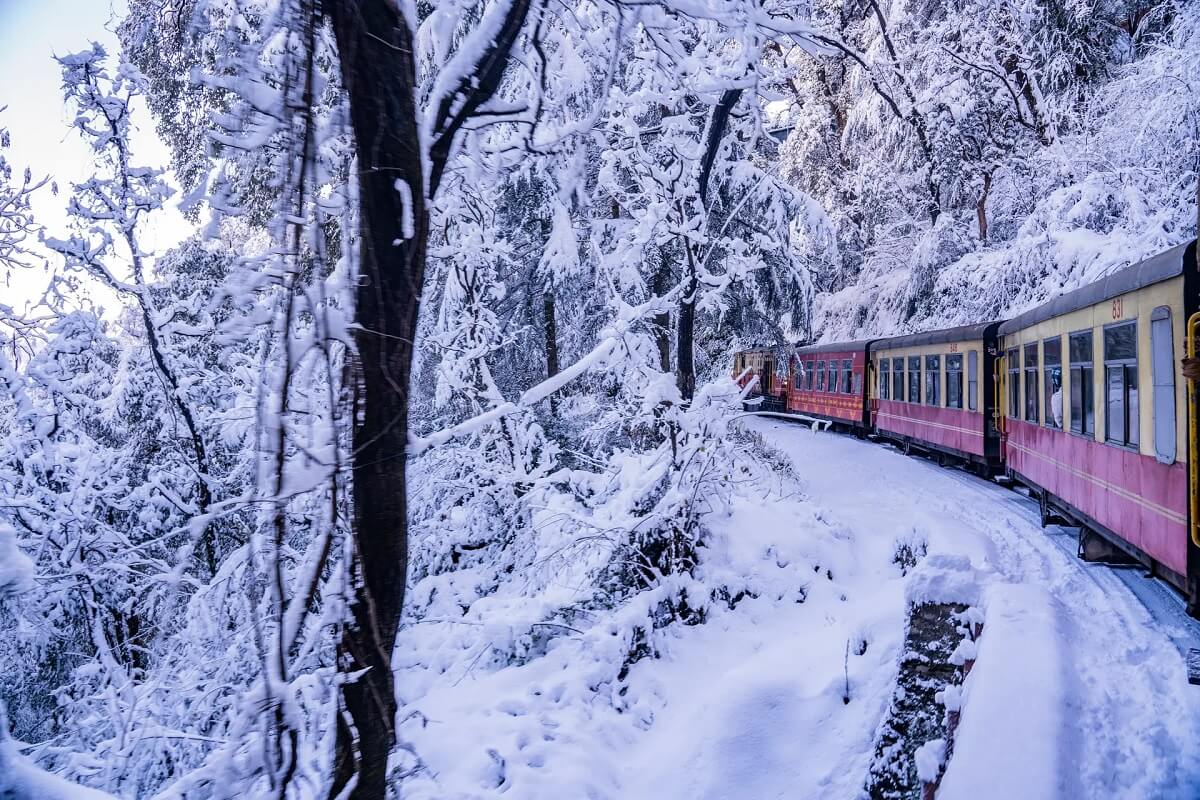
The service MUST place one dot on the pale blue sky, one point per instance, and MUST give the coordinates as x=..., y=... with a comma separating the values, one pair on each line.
x=31, y=33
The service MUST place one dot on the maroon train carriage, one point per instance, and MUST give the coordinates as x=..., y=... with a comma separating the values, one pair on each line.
x=935, y=391
x=828, y=381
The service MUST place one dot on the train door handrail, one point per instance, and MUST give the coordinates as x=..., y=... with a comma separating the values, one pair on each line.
x=998, y=387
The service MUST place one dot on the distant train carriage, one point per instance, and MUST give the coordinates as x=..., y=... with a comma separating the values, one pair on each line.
x=1095, y=408
x=827, y=382
x=770, y=391
x=934, y=390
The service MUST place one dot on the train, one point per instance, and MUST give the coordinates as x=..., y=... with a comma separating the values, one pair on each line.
x=1088, y=400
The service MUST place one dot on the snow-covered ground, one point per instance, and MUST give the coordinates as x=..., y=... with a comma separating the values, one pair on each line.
x=1078, y=691
x=1076, y=676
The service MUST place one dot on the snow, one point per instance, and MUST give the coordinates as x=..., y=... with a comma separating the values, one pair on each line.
x=16, y=569
x=21, y=780
x=1015, y=735
x=930, y=757
x=1075, y=690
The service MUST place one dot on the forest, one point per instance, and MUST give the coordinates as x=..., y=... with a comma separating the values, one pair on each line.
x=427, y=427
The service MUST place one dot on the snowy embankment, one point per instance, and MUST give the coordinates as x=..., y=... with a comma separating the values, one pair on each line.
x=1076, y=691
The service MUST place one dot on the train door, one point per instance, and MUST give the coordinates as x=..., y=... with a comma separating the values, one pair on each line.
x=1191, y=374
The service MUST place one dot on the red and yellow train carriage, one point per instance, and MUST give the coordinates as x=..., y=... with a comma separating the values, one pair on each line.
x=1095, y=409
x=934, y=390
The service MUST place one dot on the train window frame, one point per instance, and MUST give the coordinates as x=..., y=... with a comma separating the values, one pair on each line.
x=798, y=381
x=933, y=380
x=1031, y=370
x=1124, y=367
x=1012, y=359
x=845, y=384
x=810, y=376
x=972, y=380
x=914, y=379
x=1082, y=381
x=1048, y=377
x=954, y=380
x=898, y=383
x=885, y=378
x=820, y=375
x=1162, y=380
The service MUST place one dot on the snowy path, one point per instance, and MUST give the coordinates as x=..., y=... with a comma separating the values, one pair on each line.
x=754, y=710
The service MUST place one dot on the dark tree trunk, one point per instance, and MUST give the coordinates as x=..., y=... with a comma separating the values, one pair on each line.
x=662, y=322
x=685, y=343
x=551, y=329
x=375, y=51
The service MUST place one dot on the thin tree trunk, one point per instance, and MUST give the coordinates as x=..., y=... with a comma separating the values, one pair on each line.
x=375, y=49
x=551, y=330
x=981, y=207
x=662, y=322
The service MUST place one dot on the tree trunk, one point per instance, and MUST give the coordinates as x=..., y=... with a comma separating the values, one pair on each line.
x=981, y=207
x=685, y=357
x=662, y=322
x=551, y=329
x=375, y=50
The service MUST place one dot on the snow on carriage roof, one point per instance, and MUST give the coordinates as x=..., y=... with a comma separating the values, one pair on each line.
x=960, y=333
x=1164, y=266
x=833, y=347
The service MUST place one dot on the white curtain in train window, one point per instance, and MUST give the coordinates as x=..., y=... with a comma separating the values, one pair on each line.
x=1162, y=362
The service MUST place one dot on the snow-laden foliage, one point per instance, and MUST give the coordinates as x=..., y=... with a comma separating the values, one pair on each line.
x=977, y=158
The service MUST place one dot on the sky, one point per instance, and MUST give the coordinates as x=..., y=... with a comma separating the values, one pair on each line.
x=31, y=33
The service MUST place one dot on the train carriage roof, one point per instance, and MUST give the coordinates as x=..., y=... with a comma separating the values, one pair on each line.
x=834, y=347
x=961, y=333
x=1164, y=266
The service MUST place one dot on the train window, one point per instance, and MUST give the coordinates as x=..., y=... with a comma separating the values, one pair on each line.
x=847, y=371
x=1121, y=384
x=1052, y=381
x=820, y=376
x=810, y=372
x=914, y=379
x=1014, y=382
x=1031, y=382
x=1083, y=402
x=1162, y=362
x=898, y=379
x=954, y=381
x=885, y=378
x=933, y=380
x=973, y=380
x=801, y=368
x=857, y=383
